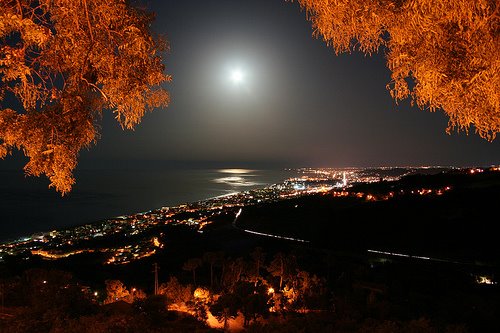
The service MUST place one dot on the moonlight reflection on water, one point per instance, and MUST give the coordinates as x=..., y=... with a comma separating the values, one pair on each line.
x=237, y=177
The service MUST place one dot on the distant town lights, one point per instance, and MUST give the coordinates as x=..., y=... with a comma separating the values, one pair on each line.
x=485, y=280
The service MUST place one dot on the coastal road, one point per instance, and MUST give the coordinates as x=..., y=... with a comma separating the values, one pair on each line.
x=372, y=251
x=253, y=232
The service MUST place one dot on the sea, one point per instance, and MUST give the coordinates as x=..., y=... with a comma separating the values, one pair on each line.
x=28, y=206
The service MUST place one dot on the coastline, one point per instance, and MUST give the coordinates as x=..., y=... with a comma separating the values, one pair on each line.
x=92, y=203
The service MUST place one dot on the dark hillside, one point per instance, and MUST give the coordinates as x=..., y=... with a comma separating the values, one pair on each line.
x=445, y=215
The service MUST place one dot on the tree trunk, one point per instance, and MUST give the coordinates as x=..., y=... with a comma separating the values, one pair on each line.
x=211, y=276
x=226, y=324
x=281, y=274
x=222, y=275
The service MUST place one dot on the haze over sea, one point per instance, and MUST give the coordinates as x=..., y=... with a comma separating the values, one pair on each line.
x=27, y=206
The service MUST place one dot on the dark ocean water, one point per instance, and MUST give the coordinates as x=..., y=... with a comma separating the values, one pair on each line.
x=27, y=206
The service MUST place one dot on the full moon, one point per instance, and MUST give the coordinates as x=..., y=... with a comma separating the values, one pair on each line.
x=236, y=76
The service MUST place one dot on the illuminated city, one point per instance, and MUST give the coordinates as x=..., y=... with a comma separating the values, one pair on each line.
x=58, y=244
x=137, y=241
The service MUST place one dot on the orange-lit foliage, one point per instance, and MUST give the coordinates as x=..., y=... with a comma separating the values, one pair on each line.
x=65, y=61
x=444, y=54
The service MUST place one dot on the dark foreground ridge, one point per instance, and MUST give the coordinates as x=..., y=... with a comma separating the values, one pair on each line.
x=412, y=254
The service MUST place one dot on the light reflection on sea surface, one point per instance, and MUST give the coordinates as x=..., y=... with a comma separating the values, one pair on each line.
x=28, y=206
x=237, y=177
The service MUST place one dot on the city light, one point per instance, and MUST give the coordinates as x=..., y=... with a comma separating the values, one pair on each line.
x=58, y=244
x=485, y=280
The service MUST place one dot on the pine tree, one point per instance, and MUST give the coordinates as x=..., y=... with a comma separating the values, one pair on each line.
x=443, y=54
x=65, y=62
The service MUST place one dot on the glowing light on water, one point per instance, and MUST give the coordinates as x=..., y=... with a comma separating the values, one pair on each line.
x=236, y=170
x=235, y=181
x=237, y=177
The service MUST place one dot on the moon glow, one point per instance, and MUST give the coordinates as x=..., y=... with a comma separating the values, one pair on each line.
x=237, y=76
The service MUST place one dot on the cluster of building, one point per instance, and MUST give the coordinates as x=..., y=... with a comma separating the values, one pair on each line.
x=390, y=194
x=135, y=234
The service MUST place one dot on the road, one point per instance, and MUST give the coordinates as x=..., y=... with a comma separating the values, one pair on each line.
x=253, y=232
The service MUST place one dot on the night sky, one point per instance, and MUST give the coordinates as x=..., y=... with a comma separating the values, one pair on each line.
x=298, y=104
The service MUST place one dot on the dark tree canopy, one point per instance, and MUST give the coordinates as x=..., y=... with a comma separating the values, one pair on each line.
x=443, y=54
x=64, y=62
